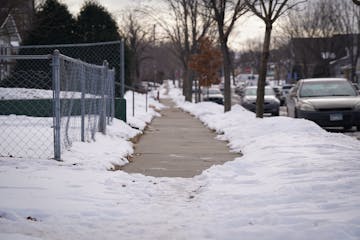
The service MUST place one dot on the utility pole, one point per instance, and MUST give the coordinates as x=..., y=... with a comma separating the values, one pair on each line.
x=154, y=64
x=154, y=34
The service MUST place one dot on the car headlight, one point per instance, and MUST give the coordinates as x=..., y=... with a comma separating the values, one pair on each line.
x=306, y=107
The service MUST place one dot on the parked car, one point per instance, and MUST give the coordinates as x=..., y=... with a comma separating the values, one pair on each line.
x=330, y=102
x=239, y=88
x=285, y=89
x=277, y=90
x=271, y=103
x=221, y=87
x=212, y=95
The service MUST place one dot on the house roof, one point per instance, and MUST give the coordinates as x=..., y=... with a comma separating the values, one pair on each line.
x=8, y=28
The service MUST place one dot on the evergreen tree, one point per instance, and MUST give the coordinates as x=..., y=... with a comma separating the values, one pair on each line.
x=95, y=24
x=54, y=24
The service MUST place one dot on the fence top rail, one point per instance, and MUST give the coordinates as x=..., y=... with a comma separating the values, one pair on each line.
x=70, y=59
x=25, y=57
x=70, y=45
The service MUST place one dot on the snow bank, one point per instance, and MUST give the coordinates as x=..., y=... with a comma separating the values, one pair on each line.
x=141, y=117
x=295, y=180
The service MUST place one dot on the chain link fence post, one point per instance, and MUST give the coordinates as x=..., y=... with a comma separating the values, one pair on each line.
x=82, y=83
x=112, y=94
x=102, y=120
x=56, y=103
x=122, y=67
x=146, y=101
x=133, y=102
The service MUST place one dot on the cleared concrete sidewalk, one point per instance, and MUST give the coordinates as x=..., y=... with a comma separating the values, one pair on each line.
x=177, y=145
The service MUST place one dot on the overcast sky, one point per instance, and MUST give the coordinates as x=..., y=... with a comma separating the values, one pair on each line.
x=248, y=28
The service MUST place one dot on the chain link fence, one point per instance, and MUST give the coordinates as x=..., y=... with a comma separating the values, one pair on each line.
x=48, y=101
x=94, y=53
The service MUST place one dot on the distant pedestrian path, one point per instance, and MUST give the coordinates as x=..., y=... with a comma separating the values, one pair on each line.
x=177, y=145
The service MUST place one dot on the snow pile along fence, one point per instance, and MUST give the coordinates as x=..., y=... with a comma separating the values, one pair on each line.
x=49, y=101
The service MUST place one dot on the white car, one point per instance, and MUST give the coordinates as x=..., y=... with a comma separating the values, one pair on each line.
x=212, y=95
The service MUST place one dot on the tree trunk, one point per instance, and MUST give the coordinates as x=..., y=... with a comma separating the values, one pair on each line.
x=185, y=81
x=263, y=69
x=188, y=94
x=227, y=69
x=355, y=57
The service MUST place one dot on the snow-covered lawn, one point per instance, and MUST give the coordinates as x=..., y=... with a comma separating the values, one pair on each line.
x=33, y=93
x=26, y=136
x=294, y=181
x=32, y=137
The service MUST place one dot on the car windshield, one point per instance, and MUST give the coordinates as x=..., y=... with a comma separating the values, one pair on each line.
x=287, y=87
x=329, y=88
x=252, y=92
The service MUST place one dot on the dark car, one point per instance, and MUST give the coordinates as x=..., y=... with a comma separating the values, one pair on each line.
x=271, y=103
x=330, y=102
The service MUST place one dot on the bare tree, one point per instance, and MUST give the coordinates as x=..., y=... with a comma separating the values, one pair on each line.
x=316, y=19
x=250, y=55
x=268, y=11
x=137, y=38
x=349, y=18
x=225, y=14
x=191, y=24
x=166, y=63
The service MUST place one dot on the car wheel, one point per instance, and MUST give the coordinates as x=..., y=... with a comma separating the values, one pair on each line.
x=276, y=113
x=358, y=128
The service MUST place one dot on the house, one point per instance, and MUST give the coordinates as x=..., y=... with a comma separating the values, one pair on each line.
x=311, y=57
x=9, y=34
x=16, y=19
x=9, y=40
x=349, y=65
x=22, y=11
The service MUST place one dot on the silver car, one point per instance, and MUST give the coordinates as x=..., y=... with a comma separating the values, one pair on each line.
x=271, y=103
x=330, y=102
x=213, y=95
